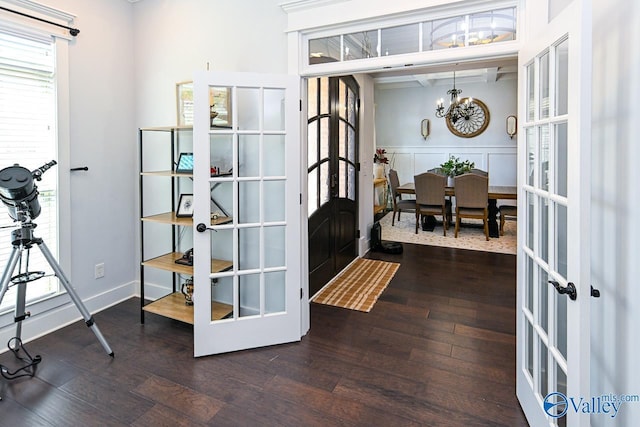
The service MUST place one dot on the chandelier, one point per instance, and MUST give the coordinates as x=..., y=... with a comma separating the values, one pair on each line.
x=458, y=108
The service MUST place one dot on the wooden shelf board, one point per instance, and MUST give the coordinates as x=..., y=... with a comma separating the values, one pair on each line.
x=171, y=218
x=167, y=128
x=167, y=262
x=167, y=173
x=173, y=306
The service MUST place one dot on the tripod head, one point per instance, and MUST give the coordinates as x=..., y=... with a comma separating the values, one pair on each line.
x=19, y=192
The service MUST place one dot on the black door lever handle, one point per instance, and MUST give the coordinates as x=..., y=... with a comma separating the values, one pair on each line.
x=570, y=289
x=594, y=292
x=83, y=168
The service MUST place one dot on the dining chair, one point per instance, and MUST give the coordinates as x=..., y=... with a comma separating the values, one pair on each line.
x=472, y=197
x=398, y=203
x=430, y=198
x=506, y=211
x=479, y=172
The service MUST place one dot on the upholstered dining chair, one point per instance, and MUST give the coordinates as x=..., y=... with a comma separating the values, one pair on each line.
x=472, y=197
x=430, y=198
x=398, y=203
x=479, y=172
x=506, y=211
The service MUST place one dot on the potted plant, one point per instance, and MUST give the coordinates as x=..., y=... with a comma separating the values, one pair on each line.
x=454, y=166
x=379, y=160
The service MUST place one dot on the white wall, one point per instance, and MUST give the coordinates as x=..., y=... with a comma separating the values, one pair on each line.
x=103, y=137
x=615, y=229
x=399, y=112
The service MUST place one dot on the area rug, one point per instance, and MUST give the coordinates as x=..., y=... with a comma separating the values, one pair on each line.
x=359, y=285
x=470, y=236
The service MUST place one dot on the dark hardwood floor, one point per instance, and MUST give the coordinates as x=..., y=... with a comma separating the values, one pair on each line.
x=438, y=349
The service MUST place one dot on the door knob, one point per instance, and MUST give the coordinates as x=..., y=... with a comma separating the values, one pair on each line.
x=570, y=289
x=201, y=228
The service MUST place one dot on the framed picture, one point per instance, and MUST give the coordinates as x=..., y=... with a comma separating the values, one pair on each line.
x=185, y=206
x=184, y=98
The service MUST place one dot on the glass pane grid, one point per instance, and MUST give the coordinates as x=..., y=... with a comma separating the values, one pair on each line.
x=481, y=28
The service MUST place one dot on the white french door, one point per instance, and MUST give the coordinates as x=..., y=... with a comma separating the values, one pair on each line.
x=246, y=211
x=554, y=196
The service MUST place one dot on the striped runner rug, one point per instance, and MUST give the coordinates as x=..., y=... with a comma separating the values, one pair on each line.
x=359, y=286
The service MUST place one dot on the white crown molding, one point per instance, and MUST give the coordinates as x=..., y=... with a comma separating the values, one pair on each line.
x=32, y=6
x=297, y=5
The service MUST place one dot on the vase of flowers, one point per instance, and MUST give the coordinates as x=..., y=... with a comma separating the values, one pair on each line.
x=379, y=160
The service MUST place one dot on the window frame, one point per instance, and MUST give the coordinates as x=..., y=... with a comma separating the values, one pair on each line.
x=27, y=28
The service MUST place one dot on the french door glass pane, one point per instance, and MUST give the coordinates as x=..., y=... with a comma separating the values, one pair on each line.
x=249, y=248
x=544, y=86
x=324, y=138
x=561, y=323
x=529, y=285
x=222, y=292
x=529, y=349
x=274, y=153
x=274, y=192
x=249, y=290
x=543, y=374
x=221, y=152
x=561, y=240
x=323, y=50
x=531, y=155
x=324, y=95
x=543, y=216
x=273, y=109
x=274, y=290
x=351, y=182
x=274, y=246
x=530, y=220
x=561, y=159
x=248, y=155
x=248, y=202
x=221, y=106
x=222, y=199
x=562, y=77
x=531, y=82
x=249, y=114
x=312, y=97
x=543, y=299
x=543, y=171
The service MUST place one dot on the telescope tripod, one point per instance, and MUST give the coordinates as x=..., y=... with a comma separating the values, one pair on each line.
x=22, y=240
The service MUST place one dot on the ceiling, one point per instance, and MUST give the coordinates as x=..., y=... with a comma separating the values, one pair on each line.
x=484, y=71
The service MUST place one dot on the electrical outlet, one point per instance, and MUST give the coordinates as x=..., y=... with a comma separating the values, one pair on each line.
x=99, y=270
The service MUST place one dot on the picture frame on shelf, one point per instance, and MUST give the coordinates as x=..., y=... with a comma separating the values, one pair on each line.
x=184, y=100
x=185, y=206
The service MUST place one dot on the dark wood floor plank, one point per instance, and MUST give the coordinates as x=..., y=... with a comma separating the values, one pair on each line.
x=437, y=349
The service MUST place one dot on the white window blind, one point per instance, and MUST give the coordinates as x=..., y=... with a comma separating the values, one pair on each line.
x=28, y=137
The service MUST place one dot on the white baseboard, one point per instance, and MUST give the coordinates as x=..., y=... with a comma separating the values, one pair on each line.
x=49, y=320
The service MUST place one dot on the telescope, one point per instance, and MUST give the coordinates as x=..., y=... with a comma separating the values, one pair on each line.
x=19, y=192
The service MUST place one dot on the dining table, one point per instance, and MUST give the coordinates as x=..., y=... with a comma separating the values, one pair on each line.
x=496, y=192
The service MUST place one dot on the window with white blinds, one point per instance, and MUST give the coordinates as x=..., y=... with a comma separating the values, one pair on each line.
x=28, y=134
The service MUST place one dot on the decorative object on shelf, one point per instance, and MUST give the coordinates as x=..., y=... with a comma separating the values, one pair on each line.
x=454, y=166
x=187, y=291
x=379, y=160
x=465, y=117
x=185, y=206
x=425, y=128
x=512, y=126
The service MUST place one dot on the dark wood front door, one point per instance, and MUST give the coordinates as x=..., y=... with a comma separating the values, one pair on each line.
x=332, y=177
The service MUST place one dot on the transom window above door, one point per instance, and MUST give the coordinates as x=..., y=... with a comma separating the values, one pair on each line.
x=474, y=29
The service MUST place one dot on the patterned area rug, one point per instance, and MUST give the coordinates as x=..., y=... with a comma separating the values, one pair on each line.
x=470, y=235
x=359, y=286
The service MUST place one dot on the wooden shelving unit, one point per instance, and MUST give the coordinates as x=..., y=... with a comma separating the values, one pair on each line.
x=173, y=305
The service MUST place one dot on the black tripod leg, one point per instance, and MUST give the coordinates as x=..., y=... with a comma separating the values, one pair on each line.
x=88, y=319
